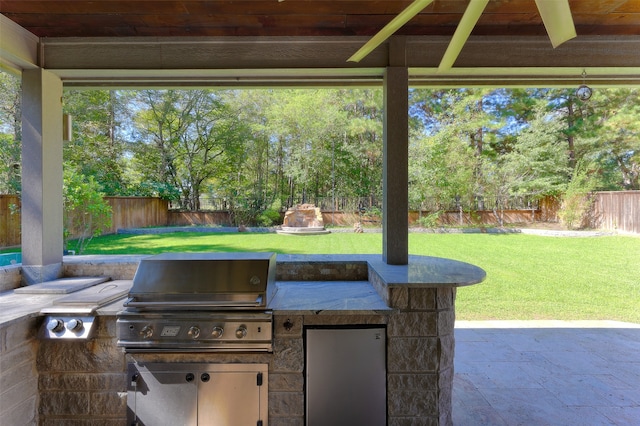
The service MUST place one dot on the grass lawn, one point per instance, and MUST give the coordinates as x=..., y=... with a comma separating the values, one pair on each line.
x=528, y=276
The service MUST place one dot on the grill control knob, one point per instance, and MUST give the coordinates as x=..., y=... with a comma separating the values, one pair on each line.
x=55, y=325
x=217, y=332
x=241, y=332
x=194, y=332
x=146, y=332
x=75, y=324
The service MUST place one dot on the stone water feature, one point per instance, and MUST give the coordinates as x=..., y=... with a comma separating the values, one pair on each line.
x=303, y=219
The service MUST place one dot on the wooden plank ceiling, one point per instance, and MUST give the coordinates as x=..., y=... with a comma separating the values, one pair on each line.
x=296, y=18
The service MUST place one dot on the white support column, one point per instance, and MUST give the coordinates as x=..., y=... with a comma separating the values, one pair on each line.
x=42, y=226
x=395, y=225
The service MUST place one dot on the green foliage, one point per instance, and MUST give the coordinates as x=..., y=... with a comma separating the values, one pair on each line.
x=10, y=105
x=538, y=165
x=371, y=215
x=10, y=134
x=447, y=161
x=577, y=201
x=242, y=216
x=154, y=189
x=187, y=140
x=10, y=167
x=86, y=213
x=615, y=143
x=98, y=146
x=269, y=217
x=469, y=148
x=430, y=220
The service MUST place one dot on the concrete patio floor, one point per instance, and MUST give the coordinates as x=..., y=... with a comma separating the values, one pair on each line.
x=546, y=373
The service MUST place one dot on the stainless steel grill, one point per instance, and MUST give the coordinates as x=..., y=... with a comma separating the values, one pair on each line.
x=199, y=302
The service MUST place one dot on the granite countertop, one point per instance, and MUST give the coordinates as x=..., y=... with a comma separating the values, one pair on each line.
x=421, y=271
x=28, y=302
x=428, y=272
x=358, y=297
x=294, y=296
x=16, y=306
x=347, y=297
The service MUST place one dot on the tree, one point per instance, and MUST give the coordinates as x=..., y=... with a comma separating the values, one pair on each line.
x=447, y=163
x=86, y=213
x=257, y=149
x=97, y=148
x=578, y=116
x=260, y=182
x=187, y=138
x=358, y=156
x=306, y=127
x=577, y=200
x=10, y=134
x=618, y=130
x=537, y=164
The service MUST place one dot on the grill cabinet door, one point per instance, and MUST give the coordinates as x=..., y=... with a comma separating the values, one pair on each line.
x=160, y=396
x=188, y=394
x=233, y=397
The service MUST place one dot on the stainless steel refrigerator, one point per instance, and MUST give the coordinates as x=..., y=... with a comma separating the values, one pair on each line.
x=346, y=377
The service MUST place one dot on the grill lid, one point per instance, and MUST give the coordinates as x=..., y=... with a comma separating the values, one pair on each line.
x=202, y=280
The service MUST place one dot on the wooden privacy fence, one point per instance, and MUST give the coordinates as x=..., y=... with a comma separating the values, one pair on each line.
x=128, y=212
x=10, y=220
x=348, y=218
x=616, y=211
x=137, y=212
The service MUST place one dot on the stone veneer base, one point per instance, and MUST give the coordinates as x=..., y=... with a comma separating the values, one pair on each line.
x=70, y=382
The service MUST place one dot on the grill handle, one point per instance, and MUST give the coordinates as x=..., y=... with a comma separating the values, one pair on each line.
x=131, y=302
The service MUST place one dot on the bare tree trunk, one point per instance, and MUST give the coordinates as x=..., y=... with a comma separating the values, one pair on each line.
x=570, y=138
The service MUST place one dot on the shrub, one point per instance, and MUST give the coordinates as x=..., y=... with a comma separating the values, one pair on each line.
x=371, y=215
x=269, y=217
x=577, y=201
x=430, y=220
x=86, y=213
x=242, y=216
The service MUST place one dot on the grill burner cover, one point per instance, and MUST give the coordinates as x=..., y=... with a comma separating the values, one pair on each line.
x=204, y=280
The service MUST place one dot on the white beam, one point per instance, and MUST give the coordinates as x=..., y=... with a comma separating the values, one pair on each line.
x=520, y=77
x=228, y=78
x=318, y=61
x=18, y=47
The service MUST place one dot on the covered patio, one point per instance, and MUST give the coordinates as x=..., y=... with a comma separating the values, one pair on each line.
x=55, y=45
x=266, y=43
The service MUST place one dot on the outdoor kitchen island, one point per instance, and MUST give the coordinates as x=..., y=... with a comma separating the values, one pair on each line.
x=414, y=302
x=80, y=381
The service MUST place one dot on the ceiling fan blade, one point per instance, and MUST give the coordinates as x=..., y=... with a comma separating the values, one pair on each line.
x=468, y=21
x=402, y=18
x=557, y=19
